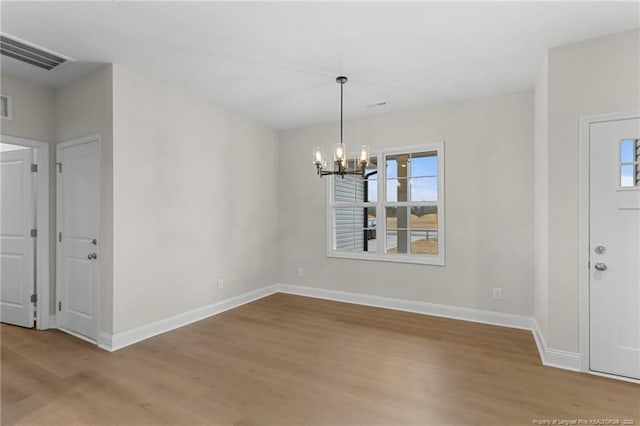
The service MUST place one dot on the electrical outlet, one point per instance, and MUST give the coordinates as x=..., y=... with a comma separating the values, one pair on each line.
x=220, y=283
x=497, y=293
x=300, y=271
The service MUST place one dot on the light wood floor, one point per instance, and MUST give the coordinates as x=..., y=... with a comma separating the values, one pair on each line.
x=289, y=360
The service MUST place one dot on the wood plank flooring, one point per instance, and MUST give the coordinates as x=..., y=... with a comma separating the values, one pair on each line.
x=291, y=360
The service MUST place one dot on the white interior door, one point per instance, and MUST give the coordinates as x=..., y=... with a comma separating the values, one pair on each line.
x=17, y=252
x=614, y=286
x=78, y=225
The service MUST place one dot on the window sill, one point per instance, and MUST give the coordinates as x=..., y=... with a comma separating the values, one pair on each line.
x=397, y=258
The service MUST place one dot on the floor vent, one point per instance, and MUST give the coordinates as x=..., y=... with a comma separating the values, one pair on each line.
x=29, y=54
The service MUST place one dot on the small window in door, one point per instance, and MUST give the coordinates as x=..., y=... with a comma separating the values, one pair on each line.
x=630, y=163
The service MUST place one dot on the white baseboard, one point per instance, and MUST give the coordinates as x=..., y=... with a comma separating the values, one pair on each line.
x=117, y=341
x=105, y=341
x=550, y=357
x=455, y=312
x=554, y=357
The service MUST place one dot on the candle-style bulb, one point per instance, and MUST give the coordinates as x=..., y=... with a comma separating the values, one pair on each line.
x=363, y=157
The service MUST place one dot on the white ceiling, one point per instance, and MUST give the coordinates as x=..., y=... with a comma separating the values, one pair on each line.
x=276, y=62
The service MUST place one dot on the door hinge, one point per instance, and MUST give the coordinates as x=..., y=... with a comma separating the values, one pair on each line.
x=34, y=233
x=59, y=167
x=34, y=298
x=59, y=306
x=34, y=168
x=60, y=236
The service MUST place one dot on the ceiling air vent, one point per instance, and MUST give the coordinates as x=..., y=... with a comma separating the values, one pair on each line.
x=29, y=53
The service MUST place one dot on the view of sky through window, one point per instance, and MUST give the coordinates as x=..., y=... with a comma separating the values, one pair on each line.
x=422, y=180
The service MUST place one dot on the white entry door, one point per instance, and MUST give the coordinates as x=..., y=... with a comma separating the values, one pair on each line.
x=78, y=288
x=614, y=287
x=17, y=257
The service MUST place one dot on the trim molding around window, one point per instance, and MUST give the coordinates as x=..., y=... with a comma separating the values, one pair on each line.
x=396, y=213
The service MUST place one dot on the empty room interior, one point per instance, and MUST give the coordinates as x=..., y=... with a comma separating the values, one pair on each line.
x=320, y=213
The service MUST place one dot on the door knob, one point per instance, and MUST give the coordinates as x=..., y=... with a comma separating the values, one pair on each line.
x=92, y=256
x=600, y=249
x=600, y=266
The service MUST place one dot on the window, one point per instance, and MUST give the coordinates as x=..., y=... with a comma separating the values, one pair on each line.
x=630, y=163
x=395, y=212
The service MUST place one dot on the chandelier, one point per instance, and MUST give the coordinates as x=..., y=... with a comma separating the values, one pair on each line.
x=340, y=152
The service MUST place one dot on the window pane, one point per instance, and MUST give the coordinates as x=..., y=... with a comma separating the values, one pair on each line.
x=627, y=176
x=392, y=167
x=372, y=189
x=346, y=239
x=397, y=169
x=397, y=190
x=355, y=229
x=397, y=241
x=424, y=230
x=424, y=217
x=397, y=217
x=626, y=151
x=424, y=244
x=345, y=217
x=424, y=164
x=349, y=189
x=346, y=223
x=397, y=229
x=392, y=190
x=424, y=189
x=392, y=240
x=371, y=181
x=370, y=233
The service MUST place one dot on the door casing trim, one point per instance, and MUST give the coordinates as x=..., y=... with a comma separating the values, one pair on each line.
x=583, y=227
x=42, y=224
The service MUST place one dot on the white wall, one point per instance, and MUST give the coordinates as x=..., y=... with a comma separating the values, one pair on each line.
x=34, y=118
x=82, y=108
x=195, y=199
x=541, y=199
x=591, y=77
x=33, y=106
x=489, y=211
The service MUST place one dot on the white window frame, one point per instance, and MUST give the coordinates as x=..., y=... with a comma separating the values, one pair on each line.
x=380, y=254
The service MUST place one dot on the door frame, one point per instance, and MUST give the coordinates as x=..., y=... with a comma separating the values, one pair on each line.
x=584, y=218
x=44, y=319
x=98, y=293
